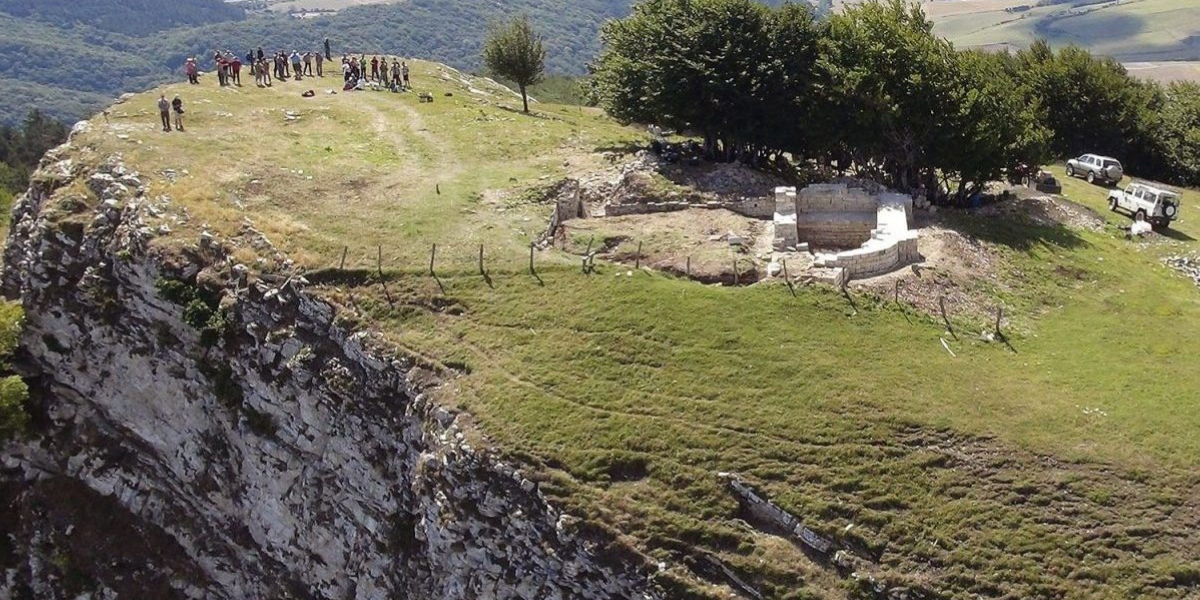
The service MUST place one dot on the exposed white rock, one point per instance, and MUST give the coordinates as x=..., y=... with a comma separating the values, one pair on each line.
x=287, y=459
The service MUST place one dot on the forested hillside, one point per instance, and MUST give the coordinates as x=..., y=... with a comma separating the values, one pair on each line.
x=70, y=58
x=51, y=46
x=132, y=17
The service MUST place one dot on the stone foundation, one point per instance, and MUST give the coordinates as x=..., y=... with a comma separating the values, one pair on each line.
x=834, y=215
x=756, y=208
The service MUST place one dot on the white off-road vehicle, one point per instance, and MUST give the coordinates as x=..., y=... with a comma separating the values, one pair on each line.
x=1095, y=168
x=1146, y=203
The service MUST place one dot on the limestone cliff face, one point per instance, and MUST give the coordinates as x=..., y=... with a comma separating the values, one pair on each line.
x=280, y=457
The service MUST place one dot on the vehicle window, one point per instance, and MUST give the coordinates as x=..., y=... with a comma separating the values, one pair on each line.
x=1139, y=193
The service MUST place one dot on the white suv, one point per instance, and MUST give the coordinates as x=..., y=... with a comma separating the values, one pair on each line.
x=1094, y=167
x=1146, y=203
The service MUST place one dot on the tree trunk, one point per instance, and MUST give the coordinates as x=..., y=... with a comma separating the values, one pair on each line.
x=525, y=98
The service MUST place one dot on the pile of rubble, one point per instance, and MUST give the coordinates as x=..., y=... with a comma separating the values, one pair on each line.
x=723, y=179
x=1188, y=265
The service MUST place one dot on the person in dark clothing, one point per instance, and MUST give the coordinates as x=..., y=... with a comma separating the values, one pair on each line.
x=177, y=107
x=320, y=63
x=164, y=111
x=260, y=53
x=328, y=56
x=375, y=68
x=235, y=72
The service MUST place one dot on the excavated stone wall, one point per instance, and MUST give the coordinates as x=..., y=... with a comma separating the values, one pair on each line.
x=757, y=208
x=283, y=457
x=833, y=215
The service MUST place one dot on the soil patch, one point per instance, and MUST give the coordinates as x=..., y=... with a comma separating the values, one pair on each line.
x=1047, y=211
x=704, y=244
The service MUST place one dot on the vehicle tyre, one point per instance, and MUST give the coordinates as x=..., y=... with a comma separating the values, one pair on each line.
x=1140, y=213
x=1070, y=171
x=1169, y=211
x=1112, y=204
x=1091, y=177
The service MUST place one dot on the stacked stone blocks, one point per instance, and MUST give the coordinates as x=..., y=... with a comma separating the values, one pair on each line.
x=838, y=216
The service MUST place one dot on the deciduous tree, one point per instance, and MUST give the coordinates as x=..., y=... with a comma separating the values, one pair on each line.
x=514, y=51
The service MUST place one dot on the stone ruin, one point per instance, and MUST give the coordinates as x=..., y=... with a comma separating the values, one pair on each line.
x=873, y=229
x=845, y=230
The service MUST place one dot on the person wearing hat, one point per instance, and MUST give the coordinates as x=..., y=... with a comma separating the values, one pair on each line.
x=164, y=111
x=177, y=106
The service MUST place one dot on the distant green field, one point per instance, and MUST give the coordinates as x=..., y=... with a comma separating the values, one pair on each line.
x=1126, y=29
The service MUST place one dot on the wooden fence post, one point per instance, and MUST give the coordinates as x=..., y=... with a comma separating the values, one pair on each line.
x=788, y=278
x=342, y=266
x=382, y=281
x=432, y=255
x=945, y=319
x=637, y=261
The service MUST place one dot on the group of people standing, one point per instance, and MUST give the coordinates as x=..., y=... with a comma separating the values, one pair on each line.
x=357, y=73
x=358, y=70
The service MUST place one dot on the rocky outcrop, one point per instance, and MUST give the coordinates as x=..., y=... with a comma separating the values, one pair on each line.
x=204, y=434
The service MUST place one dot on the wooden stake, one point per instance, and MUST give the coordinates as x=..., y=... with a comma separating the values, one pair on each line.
x=736, y=275
x=688, y=269
x=945, y=319
x=897, y=292
x=637, y=261
x=587, y=255
x=999, y=314
x=437, y=187
x=788, y=278
x=432, y=255
x=342, y=266
x=382, y=282
x=481, y=271
x=531, y=271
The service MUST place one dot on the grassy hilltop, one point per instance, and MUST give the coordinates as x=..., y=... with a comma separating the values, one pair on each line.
x=1063, y=467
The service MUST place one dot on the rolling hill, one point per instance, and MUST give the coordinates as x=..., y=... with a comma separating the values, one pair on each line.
x=944, y=465
x=67, y=58
x=1130, y=30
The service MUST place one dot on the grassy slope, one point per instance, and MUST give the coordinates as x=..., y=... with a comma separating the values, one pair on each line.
x=629, y=391
x=1128, y=30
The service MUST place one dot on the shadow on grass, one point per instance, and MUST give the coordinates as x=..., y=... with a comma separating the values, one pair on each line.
x=626, y=148
x=1015, y=232
x=533, y=114
x=1175, y=234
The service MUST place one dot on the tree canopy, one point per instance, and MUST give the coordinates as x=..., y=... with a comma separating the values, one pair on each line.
x=514, y=51
x=874, y=90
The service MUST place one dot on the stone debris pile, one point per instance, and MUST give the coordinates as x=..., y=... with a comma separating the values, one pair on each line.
x=1188, y=265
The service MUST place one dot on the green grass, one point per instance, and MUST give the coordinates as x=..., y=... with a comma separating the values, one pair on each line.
x=1128, y=30
x=378, y=168
x=1064, y=466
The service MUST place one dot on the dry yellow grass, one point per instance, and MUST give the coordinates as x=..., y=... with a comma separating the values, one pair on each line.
x=359, y=169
